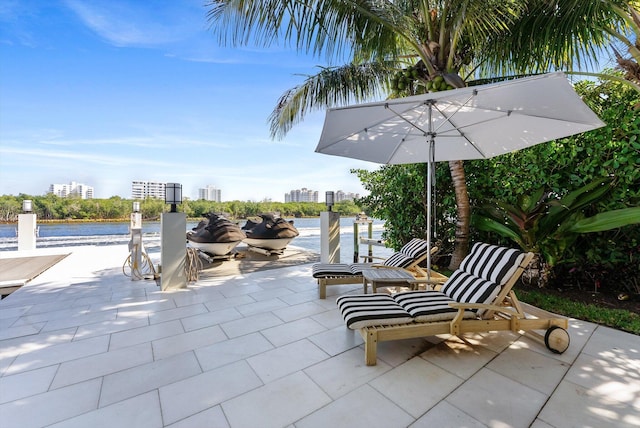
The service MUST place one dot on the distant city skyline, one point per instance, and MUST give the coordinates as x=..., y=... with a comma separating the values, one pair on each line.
x=105, y=93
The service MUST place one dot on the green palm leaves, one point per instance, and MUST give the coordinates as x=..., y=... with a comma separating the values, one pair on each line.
x=548, y=224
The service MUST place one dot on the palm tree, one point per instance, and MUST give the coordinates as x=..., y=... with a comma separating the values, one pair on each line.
x=402, y=47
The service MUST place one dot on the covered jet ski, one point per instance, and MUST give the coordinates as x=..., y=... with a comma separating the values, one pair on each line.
x=217, y=235
x=271, y=233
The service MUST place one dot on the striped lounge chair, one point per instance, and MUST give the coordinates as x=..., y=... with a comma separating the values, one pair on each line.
x=477, y=297
x=409, y=257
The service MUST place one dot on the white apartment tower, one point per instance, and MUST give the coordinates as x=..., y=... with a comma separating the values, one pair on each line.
x=210, y=193
x=72, y=190
x=301, y=195
x=147, y=189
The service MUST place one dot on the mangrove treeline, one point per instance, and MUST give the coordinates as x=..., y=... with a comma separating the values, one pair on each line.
x=52, y=207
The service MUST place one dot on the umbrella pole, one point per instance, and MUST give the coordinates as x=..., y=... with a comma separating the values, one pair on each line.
x=429, y=172
x=429, y=217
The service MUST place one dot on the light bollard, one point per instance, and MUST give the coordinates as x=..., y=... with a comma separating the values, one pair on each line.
x=173, y=252
x=173, y=241
x=27, y=229
x=135, y=244
x=329, y=233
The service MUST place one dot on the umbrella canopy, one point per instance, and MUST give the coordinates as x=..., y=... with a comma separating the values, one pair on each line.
x=468, y=123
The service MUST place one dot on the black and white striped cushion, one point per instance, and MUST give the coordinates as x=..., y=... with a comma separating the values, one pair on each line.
x=398, y=260
x=412, y=250
x=356, y=268
x=466, y=288
x=415, y=248
x=428, y=306
x=322, y=270
x=493, y=263
x=363, y=310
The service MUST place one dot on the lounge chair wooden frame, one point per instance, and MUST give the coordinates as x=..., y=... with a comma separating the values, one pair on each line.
x=414, y=268
x=506, y=313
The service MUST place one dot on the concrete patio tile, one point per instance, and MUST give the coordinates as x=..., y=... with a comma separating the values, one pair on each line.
x=21, y=345
x=303, y=297
x=211, y=417
x=416, y=385
x=80, y=320
x=102, y=364
x=292, y=331
x=210, y=319
x=298, y=311
x=147, y=377
x=232, y=350
x=580, y=333
x=177, y=313
x=362, y=408
x=611, y=377
x=496, y=400
x=142, y=411
x=21, y=331
x=276, y=404
x=110, y=326
x=396, y=352
x=250, y=324
x=343, y=373
x=282, y=361
x=572, y=406
x=443, y=415
x=238, y=289
x=187, y=299
x=261, y=306
x=331, y=319
x=168, y=346
x=458, y=357
x=144, y=308
x=57, y=354
x=269, y=294
x=530, y=368
x=228, y=302
x=495, y=341
x=26, y=384
x=616, y=346
x=337, y=340
x=147, y=333
x=197, y=393
x=51, y=407
x=298, y=344
x=39, y=313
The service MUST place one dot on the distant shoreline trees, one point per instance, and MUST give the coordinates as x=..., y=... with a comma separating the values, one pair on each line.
x=53, y=208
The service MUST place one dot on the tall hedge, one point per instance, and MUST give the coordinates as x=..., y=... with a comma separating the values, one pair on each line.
x=397, y=192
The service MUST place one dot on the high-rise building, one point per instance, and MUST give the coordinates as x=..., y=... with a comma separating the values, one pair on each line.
x=147, y=189
x=210, y=193
x=301, y=195
x=71, y=190
x=345, y=196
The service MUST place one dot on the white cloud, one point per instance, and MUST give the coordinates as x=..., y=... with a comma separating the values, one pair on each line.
x=134, y=24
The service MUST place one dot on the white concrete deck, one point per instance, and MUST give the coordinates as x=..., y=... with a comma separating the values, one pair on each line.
x=84, y=346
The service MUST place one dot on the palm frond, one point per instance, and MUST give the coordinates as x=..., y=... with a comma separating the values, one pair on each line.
x=330, y=87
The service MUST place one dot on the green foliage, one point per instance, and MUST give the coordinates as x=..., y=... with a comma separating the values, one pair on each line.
x=397, y=192
x=51, y=207
x=397, y=195
x=549, y=224
x=616, y=318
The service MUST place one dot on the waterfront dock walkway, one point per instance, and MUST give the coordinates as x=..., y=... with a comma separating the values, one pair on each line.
x=81, y=345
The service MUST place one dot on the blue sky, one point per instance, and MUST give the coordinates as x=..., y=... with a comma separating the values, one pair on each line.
x=104, y=92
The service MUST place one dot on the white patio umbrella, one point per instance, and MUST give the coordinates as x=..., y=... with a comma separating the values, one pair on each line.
x=477, y=122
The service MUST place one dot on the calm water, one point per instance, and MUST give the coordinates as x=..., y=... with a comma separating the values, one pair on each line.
x=74, y=234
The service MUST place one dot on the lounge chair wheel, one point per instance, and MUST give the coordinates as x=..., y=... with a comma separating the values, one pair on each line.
x=556, y=339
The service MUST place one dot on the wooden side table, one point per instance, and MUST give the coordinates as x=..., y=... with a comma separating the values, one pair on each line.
x=384, y=277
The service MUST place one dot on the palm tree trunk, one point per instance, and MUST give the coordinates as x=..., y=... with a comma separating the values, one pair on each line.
x=463, y=211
